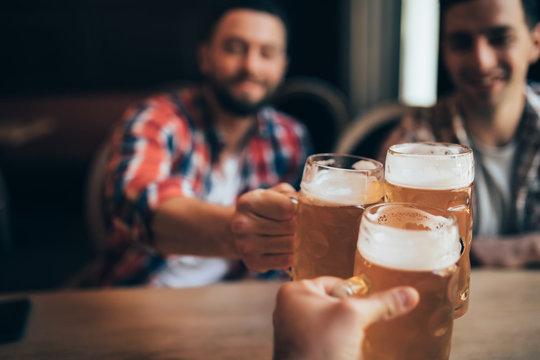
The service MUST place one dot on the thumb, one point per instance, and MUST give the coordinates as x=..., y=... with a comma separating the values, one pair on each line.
x=389, y=304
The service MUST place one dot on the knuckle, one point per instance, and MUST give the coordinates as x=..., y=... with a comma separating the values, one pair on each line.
x=245, y=200
x=257, y=194
x=242, y=205
x=285, y=290
x=239, y=224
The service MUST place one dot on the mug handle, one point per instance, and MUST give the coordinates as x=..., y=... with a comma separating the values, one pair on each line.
x=355, y=285
x=289, y=270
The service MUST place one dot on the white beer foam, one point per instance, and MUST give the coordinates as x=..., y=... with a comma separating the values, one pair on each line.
x=344, y=188
x=426, y=166
x=415, y=250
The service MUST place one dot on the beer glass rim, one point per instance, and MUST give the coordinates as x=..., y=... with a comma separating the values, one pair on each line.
x=312, y=159
x=432, y=209
x=464, y=150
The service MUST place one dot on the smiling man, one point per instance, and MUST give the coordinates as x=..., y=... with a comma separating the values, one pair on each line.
x=487, y=47
x=185, y=181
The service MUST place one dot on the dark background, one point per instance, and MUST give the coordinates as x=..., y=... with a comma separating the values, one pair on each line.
x=70, y=46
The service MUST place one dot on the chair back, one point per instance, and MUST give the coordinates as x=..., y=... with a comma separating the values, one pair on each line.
x=367, y=132
x=319, y=105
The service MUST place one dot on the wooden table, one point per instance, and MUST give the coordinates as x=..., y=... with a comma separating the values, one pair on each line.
x=503, y=321
x=233, y=321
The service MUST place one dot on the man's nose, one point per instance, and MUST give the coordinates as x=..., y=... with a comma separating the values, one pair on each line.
x=484, y=55
x=252, y=61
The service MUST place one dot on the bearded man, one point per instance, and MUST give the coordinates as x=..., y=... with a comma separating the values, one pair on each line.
x=198, y=182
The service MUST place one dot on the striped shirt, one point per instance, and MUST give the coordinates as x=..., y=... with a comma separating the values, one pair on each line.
x=169, y=147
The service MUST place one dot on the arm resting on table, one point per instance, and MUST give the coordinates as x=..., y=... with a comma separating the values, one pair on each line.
x=507, y=251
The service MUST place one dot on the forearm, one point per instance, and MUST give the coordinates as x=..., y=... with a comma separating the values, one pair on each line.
x=507, y=251
x=184, y=225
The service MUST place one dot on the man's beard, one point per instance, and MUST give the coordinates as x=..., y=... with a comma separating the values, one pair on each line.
x=234, y=105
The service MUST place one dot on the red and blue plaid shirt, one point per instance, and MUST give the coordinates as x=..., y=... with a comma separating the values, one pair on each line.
x=168, y=147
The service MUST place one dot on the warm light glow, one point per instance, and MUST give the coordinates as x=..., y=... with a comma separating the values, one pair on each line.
x=419, y=52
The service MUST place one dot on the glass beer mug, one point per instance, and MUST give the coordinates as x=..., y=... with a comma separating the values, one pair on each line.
x=405, y=244
x=439, y=175
x=334, y=192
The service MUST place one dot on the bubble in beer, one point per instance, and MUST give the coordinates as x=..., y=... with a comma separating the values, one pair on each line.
x=345, y=188
x=433, y=166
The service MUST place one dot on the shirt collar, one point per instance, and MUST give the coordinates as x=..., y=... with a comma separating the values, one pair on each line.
x=532, y=106
x=530, y=114
x=202, y=119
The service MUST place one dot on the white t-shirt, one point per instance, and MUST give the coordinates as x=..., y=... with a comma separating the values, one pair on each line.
x=493, y=188
x=189, y=271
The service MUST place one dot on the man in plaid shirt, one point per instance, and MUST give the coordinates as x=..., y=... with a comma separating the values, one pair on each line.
x=487, y=46
x=201, y=179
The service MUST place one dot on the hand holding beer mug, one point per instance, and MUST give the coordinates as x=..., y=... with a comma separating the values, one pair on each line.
x=405, y=244
x=439, y=175
x=334, y=192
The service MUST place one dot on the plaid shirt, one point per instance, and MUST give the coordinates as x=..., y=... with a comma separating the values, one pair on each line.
x=168, y=147
x=443, y=123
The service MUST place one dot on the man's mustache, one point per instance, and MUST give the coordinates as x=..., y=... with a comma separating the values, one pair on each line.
x=499, y=72
x=246, y=77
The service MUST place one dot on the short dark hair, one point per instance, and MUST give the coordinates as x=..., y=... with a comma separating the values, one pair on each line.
x=530, y=8
x=213, y=18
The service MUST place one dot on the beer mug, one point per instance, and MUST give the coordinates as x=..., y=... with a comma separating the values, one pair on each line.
x=406, y=244
x=334, y=192
x=439, y=175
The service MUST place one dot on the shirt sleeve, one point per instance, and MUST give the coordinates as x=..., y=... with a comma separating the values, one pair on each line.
x=296, y=145
x=139, y=175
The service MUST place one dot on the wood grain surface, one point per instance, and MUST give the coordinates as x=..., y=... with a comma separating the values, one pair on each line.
x=234, y=321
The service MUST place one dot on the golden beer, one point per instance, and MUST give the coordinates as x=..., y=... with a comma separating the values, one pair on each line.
x=438, y=175
x=406, y=244
x=334, y=192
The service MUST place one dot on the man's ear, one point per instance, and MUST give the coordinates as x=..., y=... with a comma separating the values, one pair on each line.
x=203, y=58
x=284, y=67
x=535, y=50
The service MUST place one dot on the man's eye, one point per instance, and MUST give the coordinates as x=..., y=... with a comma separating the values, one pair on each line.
x=269, y=53
x=500, y=39
x=234, y=48
x=460, y=43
